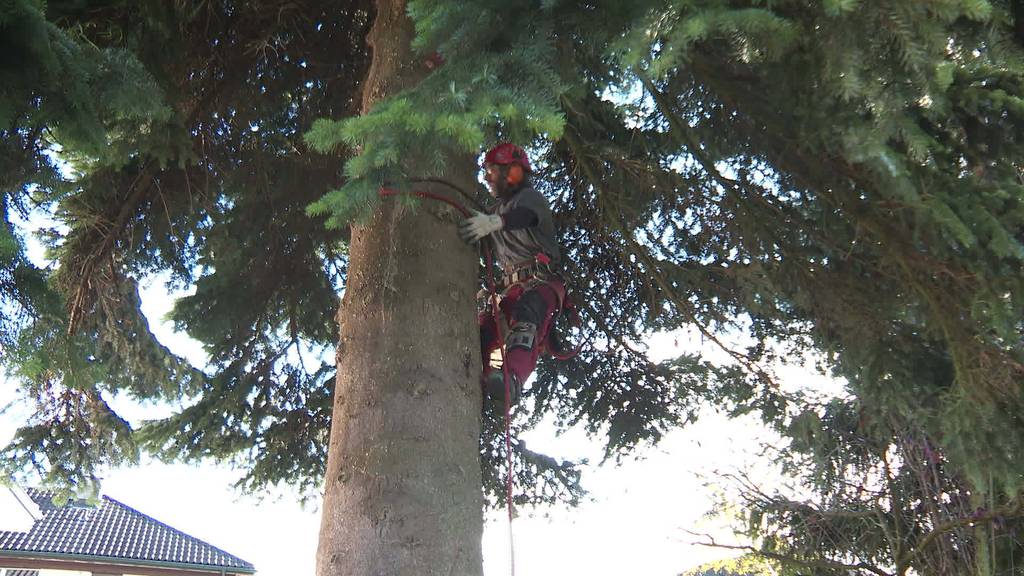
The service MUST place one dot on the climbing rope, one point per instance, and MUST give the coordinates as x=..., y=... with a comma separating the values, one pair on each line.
x=496, y=312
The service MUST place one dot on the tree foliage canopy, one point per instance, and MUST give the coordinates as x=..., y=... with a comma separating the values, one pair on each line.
x=840, y=179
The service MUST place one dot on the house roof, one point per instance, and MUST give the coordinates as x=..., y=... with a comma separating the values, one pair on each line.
x=112, y=531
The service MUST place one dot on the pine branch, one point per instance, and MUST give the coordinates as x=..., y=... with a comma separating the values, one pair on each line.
x=1013, y=512
x=83, y=295
x=788, y=559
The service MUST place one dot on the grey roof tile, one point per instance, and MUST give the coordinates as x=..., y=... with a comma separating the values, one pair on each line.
x=112, y=530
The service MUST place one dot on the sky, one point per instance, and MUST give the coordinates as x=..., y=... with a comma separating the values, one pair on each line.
x=638, y=519
x=633, y=523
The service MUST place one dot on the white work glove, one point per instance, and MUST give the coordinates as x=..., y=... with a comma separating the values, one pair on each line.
x=478, y=225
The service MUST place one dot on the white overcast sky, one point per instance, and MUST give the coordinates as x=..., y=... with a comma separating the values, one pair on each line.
x=633, y=524
x=635, y=521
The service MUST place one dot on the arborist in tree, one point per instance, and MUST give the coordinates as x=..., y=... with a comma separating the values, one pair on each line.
x=531, y=289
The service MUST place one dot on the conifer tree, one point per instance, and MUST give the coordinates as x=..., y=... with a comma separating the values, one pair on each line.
x=839, y=178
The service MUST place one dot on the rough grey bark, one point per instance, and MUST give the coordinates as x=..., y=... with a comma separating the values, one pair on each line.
x=402, y=490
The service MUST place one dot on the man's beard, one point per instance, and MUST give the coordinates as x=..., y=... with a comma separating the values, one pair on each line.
x=498, y=191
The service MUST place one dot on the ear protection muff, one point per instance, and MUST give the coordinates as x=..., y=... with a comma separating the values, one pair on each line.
x=515, y=175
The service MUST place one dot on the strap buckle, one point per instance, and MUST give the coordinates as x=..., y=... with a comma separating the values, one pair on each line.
x=519, y=275
x=539, y=267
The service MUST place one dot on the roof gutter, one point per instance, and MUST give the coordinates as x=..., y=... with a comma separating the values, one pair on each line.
x=121, y=561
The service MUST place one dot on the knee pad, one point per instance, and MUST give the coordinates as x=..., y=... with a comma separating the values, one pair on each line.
x=523, y=335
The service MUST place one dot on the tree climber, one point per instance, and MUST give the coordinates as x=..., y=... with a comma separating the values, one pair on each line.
x=531, y=289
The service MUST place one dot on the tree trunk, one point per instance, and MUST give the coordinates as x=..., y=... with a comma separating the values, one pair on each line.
x=403, y=487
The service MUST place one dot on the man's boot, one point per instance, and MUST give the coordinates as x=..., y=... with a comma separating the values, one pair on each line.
x=494, y=387
x=518, y=348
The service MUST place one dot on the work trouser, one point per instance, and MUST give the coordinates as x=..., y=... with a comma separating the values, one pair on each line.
x=536, y=302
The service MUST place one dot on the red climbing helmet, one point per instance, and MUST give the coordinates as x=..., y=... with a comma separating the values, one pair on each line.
x=507, y=153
